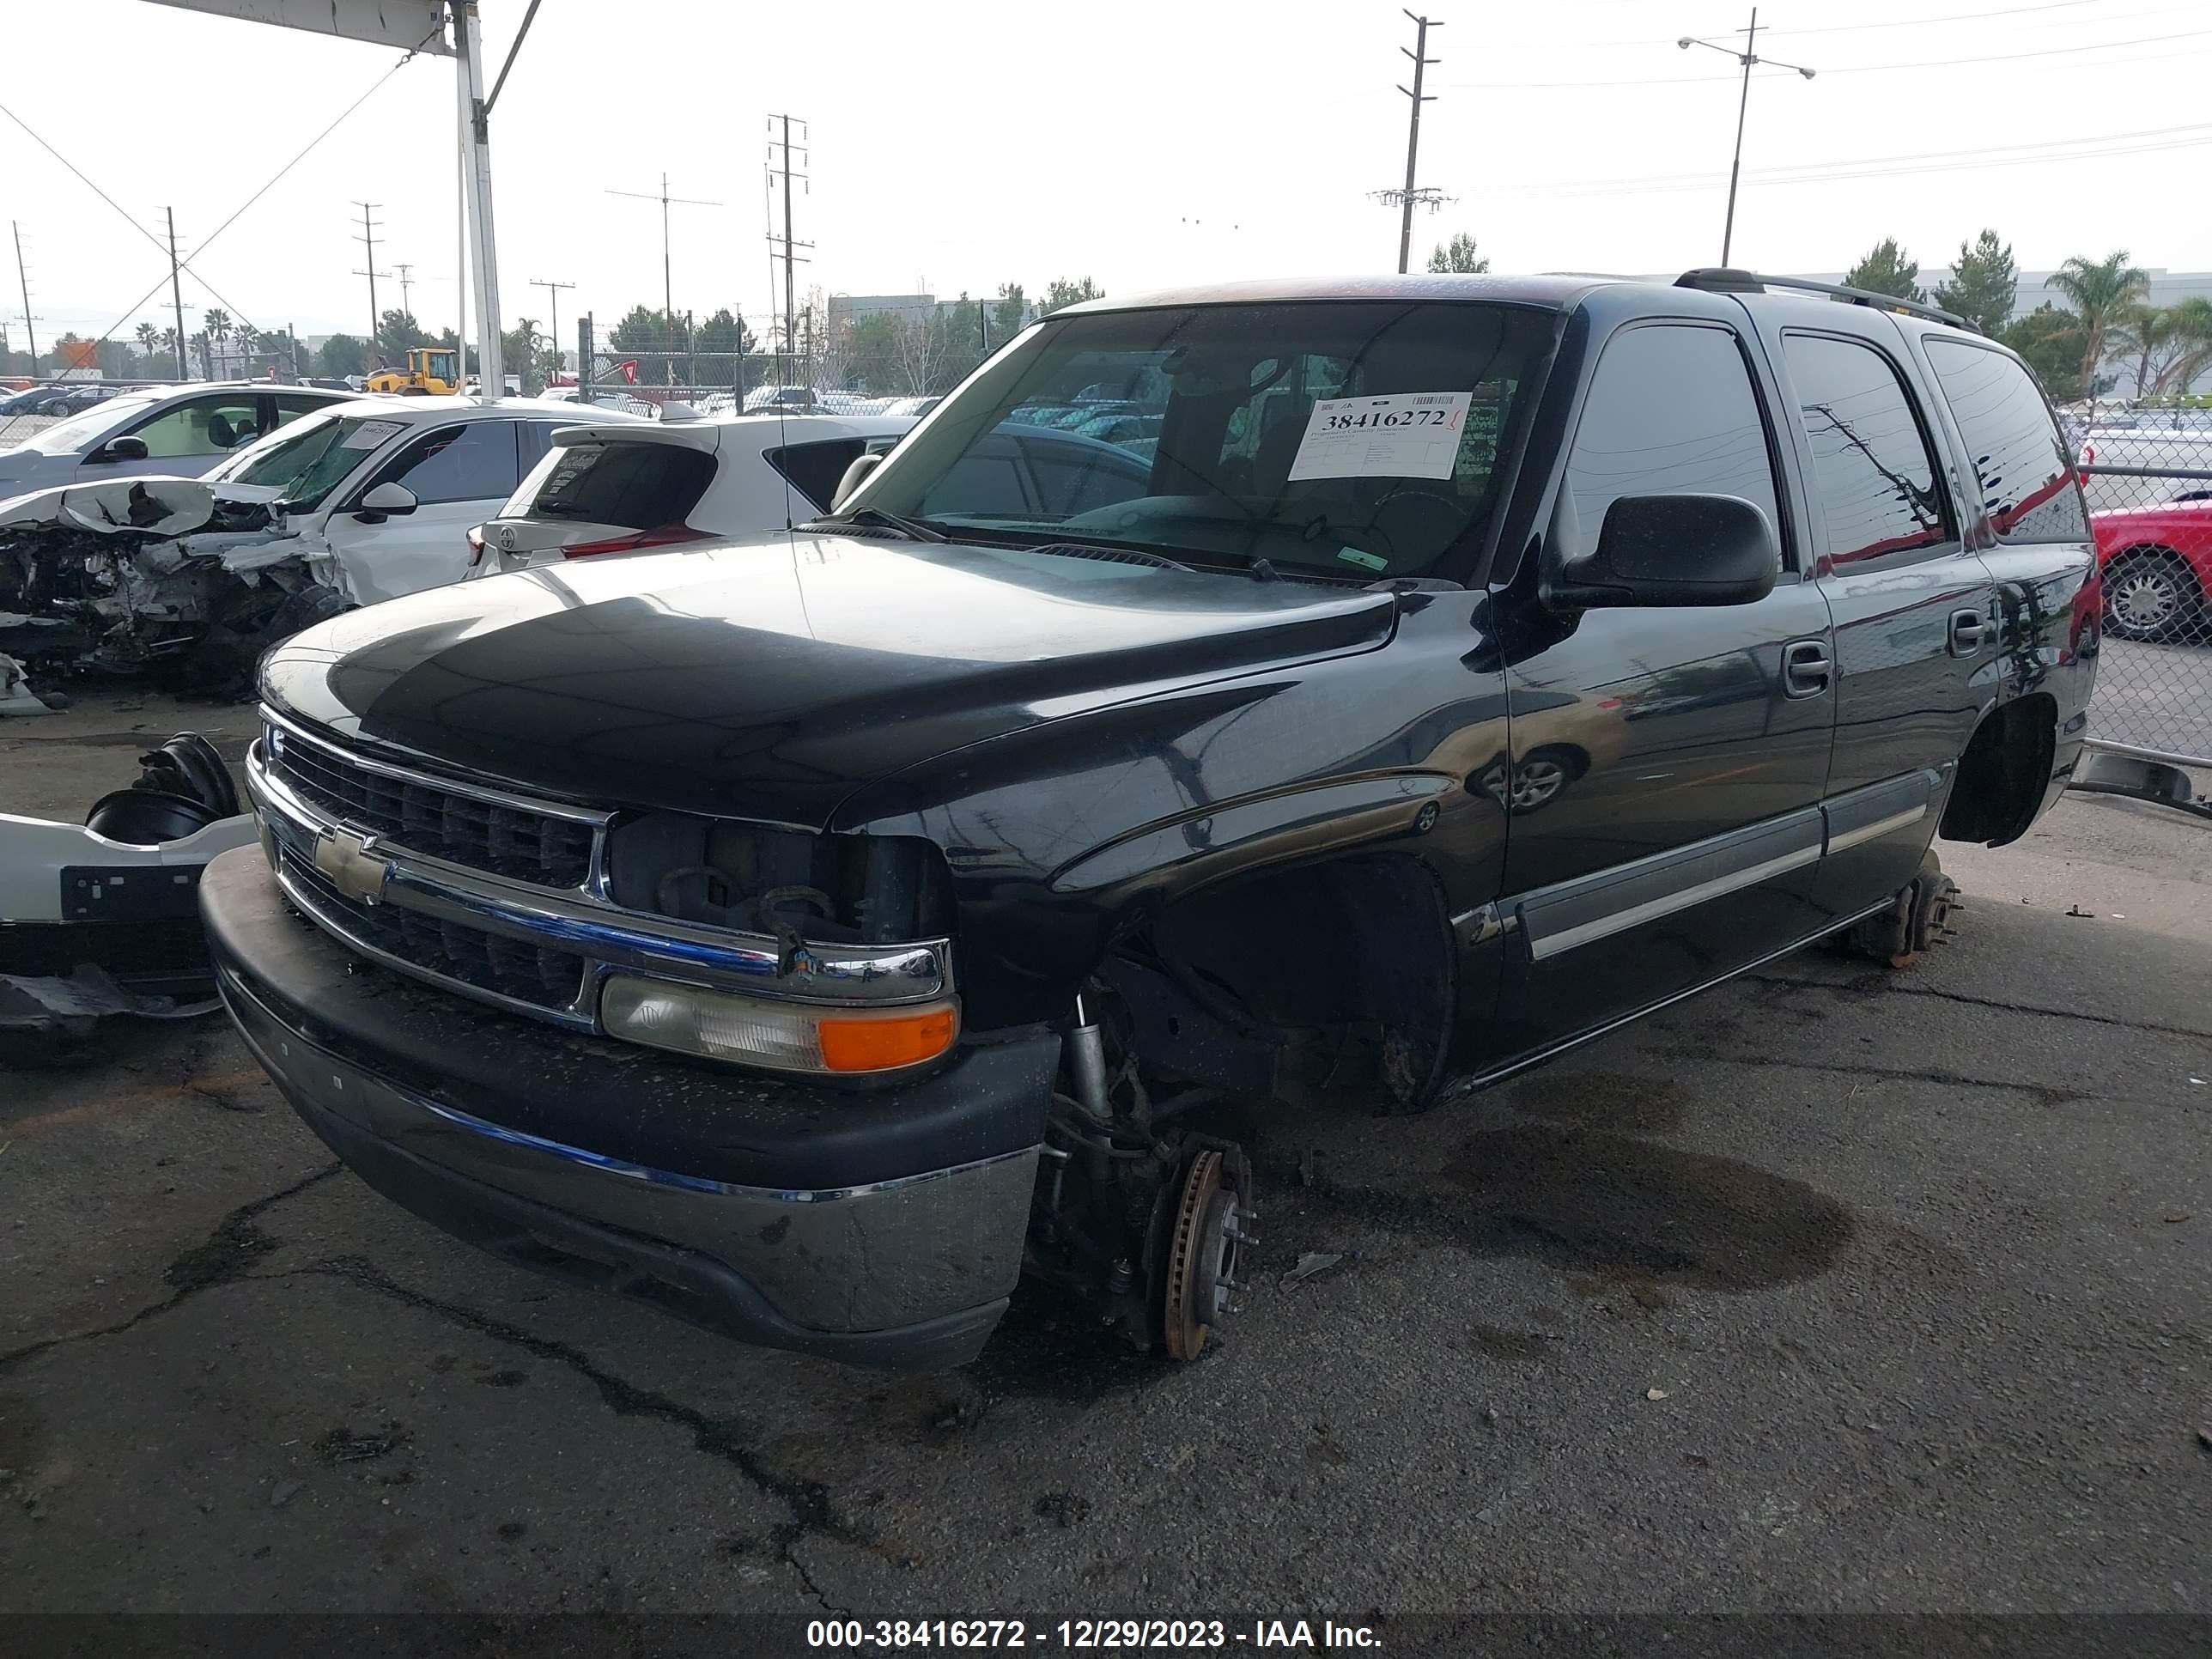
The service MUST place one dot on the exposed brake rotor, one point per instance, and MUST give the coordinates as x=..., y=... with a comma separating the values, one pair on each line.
x=1206, y=1240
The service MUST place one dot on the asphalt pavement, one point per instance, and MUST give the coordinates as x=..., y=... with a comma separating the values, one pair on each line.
x=1836, y=1291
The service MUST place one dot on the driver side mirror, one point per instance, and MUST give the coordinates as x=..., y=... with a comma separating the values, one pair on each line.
x=855, y=475
x=1666, y=550
x=120, y=449
x=385, y=501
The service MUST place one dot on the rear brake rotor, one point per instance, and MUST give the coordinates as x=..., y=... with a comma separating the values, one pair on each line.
x=1204, y=1240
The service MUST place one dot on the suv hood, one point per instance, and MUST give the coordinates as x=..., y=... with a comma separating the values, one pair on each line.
x=770, y=680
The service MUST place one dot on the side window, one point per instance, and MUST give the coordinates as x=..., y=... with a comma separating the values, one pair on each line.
x=814, y=469
x=985, y=482
x=201, y=426
x=1671, y=411
x=1082, y=477
x=290, y=406
x=1871, y=461
x=469, y=463
x=2026, y=474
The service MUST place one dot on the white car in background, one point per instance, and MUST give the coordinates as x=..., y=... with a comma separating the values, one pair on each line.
x=380, y=494
x=627, y=488
x=367, y=500
x=170, y=432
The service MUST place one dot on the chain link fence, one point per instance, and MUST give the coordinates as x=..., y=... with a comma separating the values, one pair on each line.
x=2147, y=473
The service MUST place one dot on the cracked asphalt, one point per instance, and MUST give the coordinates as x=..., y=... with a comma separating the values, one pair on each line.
x=1835, y=1290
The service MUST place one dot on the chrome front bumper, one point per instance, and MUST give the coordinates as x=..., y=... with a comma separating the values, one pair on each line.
x=473, y=1120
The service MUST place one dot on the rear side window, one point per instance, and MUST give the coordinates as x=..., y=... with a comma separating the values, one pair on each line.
x=814, y=469
x=636, y=486
x=1870, y=462
x=2027, y=475
x=1671, y=412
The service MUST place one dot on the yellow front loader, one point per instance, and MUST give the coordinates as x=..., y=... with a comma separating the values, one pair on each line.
x=430, y=372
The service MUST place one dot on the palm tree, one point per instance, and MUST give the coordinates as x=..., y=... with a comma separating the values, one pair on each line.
x=2189, y=332
x=2102, y=292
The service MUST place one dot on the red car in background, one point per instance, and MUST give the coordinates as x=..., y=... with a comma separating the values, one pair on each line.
x=2157, y=566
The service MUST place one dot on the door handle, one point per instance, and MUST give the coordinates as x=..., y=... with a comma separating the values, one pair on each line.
x=1806, y=669
x=1967, y=629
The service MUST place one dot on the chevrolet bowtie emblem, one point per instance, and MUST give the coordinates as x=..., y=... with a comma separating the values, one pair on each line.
x=348, y=865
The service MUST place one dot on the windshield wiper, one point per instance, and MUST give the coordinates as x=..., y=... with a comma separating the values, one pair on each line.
x=912, y=529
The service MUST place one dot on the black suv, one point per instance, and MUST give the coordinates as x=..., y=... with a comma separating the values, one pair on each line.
x=813, y=935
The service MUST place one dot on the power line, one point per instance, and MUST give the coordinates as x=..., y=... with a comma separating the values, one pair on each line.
x=1858, y=68
x=1882, y=167
x=667, y=284
x=405, y=58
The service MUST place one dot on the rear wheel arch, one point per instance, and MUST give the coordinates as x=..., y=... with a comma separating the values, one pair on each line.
x=2004, y=772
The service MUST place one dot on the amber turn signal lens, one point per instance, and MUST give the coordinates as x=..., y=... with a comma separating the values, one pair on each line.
x=884, y=1042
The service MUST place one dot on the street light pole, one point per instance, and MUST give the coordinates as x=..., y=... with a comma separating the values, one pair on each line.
x=1748, y=58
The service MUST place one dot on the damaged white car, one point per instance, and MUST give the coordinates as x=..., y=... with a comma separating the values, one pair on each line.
x=194, y=578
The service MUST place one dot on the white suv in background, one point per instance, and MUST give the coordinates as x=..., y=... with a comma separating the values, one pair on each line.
x=626, y=489
x=381, y=493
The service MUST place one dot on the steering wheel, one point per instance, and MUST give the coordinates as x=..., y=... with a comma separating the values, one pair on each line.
x=1449, y=504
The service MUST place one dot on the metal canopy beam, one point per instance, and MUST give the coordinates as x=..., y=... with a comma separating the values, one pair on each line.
x=410, y=25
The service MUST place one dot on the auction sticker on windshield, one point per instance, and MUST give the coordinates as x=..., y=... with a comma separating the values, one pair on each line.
x=369, y=434
x=1398, y=434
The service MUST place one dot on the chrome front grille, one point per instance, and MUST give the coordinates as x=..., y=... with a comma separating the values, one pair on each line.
x=551, y=979
x=500, y=896
x=420, y=815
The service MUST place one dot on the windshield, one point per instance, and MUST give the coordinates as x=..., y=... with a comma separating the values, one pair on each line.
x=68, y=436
x=310, y=458
x=1358, y=439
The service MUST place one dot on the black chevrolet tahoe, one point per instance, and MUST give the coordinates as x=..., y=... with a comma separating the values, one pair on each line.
x=812, y=936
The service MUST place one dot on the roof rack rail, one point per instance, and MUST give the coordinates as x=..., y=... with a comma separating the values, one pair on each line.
x=1724, y=279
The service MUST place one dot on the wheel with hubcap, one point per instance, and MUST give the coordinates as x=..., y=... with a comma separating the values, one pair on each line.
x=2148, y=596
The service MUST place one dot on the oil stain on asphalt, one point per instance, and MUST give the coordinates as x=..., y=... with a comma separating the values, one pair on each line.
x=1591, y=1200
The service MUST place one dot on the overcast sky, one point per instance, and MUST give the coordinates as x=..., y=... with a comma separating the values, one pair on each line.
x=1143, y=143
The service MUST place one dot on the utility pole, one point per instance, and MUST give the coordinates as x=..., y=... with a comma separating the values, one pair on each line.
x=667, y=284
x=23, y=281
x=406, y=284
x=176, y=293
x=367, y=237
x=1421, y=61
x=1750, y=60
x=789, y=248
x=553, y=297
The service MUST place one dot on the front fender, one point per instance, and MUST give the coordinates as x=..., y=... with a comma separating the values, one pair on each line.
x=1062, y=837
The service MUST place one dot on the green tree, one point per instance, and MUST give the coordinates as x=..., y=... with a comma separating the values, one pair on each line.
x=398, y=333
x=2102, y=291
x=217, y=321
x=149, y=343
x=1062, y=291
x=523, y=353
x=2049, y=339
x=1985, y=284
x=1458, y=256
x=342, y=354
x=2171, y=345
x=873, y=355
x=647, y=328
x=1008, y=316
x=1887, y=270
x=724, y=335
x=962, y=322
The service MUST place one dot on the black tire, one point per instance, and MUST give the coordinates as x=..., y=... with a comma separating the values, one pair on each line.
x=2150, y=595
